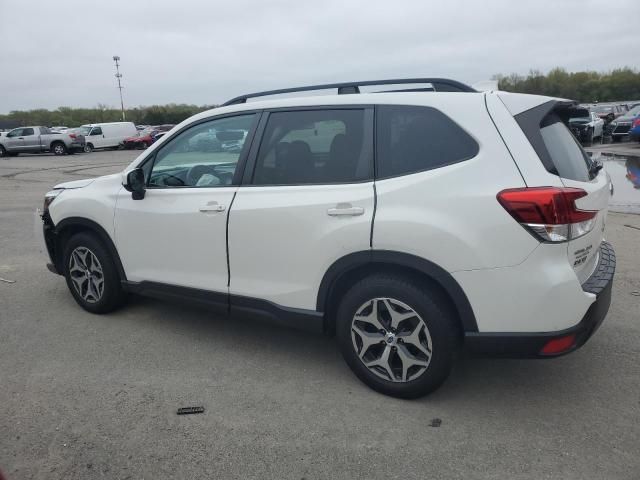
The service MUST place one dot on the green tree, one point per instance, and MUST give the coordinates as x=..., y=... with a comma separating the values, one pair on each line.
x=618, y=85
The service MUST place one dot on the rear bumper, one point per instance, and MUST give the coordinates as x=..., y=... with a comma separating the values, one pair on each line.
x=530, y=345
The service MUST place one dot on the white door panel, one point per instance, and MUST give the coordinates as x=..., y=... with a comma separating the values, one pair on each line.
x=175, y=236
x=282, y=239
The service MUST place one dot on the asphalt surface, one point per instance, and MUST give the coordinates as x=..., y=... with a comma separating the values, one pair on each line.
x=85, y=396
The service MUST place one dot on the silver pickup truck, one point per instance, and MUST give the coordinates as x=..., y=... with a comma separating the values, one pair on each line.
x=39, y=140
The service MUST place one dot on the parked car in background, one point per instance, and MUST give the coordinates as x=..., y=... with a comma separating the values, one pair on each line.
x=586, y=125
x=634, y=133
x=59, y=129
x=608, y=112
x=39, y=140
x=107, y=135
x=621, y=126
x=142, y=140
x=163, y=128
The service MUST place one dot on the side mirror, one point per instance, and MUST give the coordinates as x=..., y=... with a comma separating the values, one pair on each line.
x=135, y=184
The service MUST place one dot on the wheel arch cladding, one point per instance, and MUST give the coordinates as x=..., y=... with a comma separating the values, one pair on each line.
x=72, y=225
x=355, y=266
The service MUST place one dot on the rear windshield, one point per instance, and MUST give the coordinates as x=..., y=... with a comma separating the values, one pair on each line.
x=569, y=158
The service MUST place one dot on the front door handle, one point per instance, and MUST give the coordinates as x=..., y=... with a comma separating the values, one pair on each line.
x=345, y=209
x=212, y=207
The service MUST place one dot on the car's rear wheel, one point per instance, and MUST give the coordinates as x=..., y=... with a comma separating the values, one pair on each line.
x=397, y=338
x=59, y=148
x=91, y=274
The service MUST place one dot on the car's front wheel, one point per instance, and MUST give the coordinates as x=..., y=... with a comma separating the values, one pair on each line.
x=88, y=148
x=398, y=338
x=91, y=274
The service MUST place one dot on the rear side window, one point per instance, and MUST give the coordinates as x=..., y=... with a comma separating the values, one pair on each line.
x=412, y=139
x=558, y=150
x=569, y=158
x=315, y=147
x=27, y=131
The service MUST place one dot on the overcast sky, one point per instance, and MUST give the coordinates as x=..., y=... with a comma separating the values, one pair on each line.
x=57, y=53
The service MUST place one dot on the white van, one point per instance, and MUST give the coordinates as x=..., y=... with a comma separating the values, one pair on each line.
x=107, y=135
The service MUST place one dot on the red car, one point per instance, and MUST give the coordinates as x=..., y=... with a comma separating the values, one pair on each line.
x=146, y=137
x=140, y=141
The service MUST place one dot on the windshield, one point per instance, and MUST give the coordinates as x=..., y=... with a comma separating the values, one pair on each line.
x=84, y=130
x=634, y=112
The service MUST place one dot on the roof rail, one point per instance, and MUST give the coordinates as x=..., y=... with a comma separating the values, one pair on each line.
x=439, y=85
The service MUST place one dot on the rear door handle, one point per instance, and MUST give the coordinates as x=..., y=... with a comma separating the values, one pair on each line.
x=345, y=209
x=212, y=207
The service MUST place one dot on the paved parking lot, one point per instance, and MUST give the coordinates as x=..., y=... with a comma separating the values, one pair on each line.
x=84, y=396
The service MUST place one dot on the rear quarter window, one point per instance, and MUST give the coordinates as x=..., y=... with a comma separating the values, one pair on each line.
x=559, y=151
x=569, y=158
x=412, y=139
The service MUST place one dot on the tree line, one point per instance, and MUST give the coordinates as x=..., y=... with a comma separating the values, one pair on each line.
x=74, y=117
x=587, y=87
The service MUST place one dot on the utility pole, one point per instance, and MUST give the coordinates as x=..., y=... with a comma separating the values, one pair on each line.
x=119, y=76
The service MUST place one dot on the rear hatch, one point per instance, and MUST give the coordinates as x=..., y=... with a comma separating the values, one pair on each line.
x=547, y=129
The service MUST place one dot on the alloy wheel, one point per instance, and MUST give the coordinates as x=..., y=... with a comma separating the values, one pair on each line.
x=391, y=340
x=86, y=274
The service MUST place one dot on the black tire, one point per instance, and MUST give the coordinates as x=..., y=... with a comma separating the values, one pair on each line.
x=58, y=148
x=112, y=295
x=143, y=145
x=88, y=148
x=433, y=310
x=3, y=152
x=590, y=136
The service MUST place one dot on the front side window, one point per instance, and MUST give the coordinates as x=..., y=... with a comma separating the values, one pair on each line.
x=15, y=133
x=314, y=147
x=412, y=139
x=96, y=131
x=205, y=155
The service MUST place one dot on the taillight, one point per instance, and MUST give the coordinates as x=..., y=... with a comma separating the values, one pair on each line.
x=636, y=123
x=550, y=213
x=73, y=135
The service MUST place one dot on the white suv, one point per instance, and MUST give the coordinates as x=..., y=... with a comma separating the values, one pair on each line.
x=408, y=223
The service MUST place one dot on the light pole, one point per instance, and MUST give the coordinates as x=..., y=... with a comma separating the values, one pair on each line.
x=119, y=76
